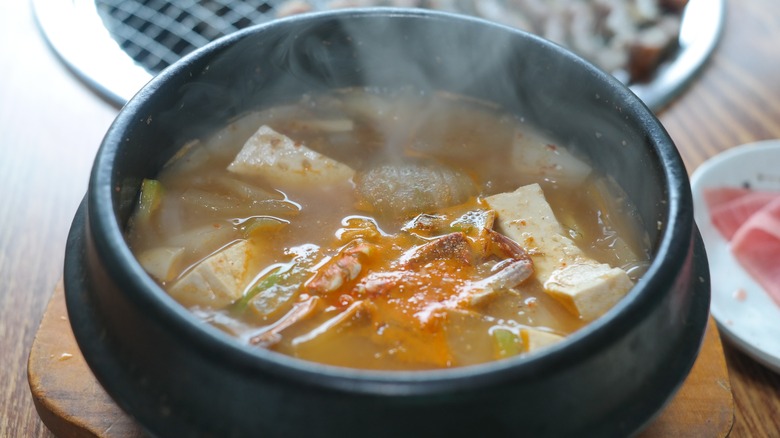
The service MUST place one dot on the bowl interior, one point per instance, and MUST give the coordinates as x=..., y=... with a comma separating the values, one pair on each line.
x=586, y=109
x=548, y=86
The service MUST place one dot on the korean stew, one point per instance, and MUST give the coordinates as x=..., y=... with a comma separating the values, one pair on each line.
x=388, y=230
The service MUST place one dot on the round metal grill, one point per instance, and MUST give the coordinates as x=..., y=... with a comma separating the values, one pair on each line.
x=156, y=33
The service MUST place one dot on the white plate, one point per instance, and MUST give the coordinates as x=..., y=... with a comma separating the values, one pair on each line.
x=750, y=319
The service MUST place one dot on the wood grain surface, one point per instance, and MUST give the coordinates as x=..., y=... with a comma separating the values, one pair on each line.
x=72, y=404
x=51, y=125
x=736, y=100
x=67, y=396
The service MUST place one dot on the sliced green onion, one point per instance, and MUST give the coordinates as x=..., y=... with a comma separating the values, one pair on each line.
x=266, y=282
x=506, y=343
x=151, y=196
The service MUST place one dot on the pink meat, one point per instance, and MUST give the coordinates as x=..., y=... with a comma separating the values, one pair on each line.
x=721, y=195
x=728, y=215
x=756, y=245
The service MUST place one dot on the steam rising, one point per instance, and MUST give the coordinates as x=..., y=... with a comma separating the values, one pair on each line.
x=388, y=49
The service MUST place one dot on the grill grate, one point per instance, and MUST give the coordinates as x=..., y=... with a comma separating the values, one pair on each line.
x=156, y=33
x=116, y=46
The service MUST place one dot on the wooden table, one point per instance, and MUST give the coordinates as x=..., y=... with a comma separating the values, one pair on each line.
x=51, y=125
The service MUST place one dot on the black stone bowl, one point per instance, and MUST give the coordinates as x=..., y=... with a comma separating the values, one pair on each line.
x=179, y=377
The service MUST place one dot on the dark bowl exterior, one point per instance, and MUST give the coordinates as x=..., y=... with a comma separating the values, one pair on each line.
x=179, y=377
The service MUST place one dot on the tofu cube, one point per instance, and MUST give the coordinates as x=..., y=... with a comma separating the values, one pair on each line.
x=588, y=289
x=584, y=286
x=216, y=281
x=283, y=162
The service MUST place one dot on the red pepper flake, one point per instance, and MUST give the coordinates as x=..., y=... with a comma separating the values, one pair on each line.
x=740, y=295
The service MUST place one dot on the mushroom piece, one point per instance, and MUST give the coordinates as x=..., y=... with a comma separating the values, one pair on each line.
x=404, y=189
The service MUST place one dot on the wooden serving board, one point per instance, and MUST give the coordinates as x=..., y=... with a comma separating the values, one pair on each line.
x=71, y=403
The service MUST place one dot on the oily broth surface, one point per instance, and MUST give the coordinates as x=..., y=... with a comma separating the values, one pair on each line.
x=388, y=127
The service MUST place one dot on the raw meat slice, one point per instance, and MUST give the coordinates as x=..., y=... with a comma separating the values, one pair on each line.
x=729, y=216
x=715, y=197
x=756, y=246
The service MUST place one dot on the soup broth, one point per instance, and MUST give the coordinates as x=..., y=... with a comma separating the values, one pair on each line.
x=388, y=230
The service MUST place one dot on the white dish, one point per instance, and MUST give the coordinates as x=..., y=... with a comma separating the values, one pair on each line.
x=745, y=313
